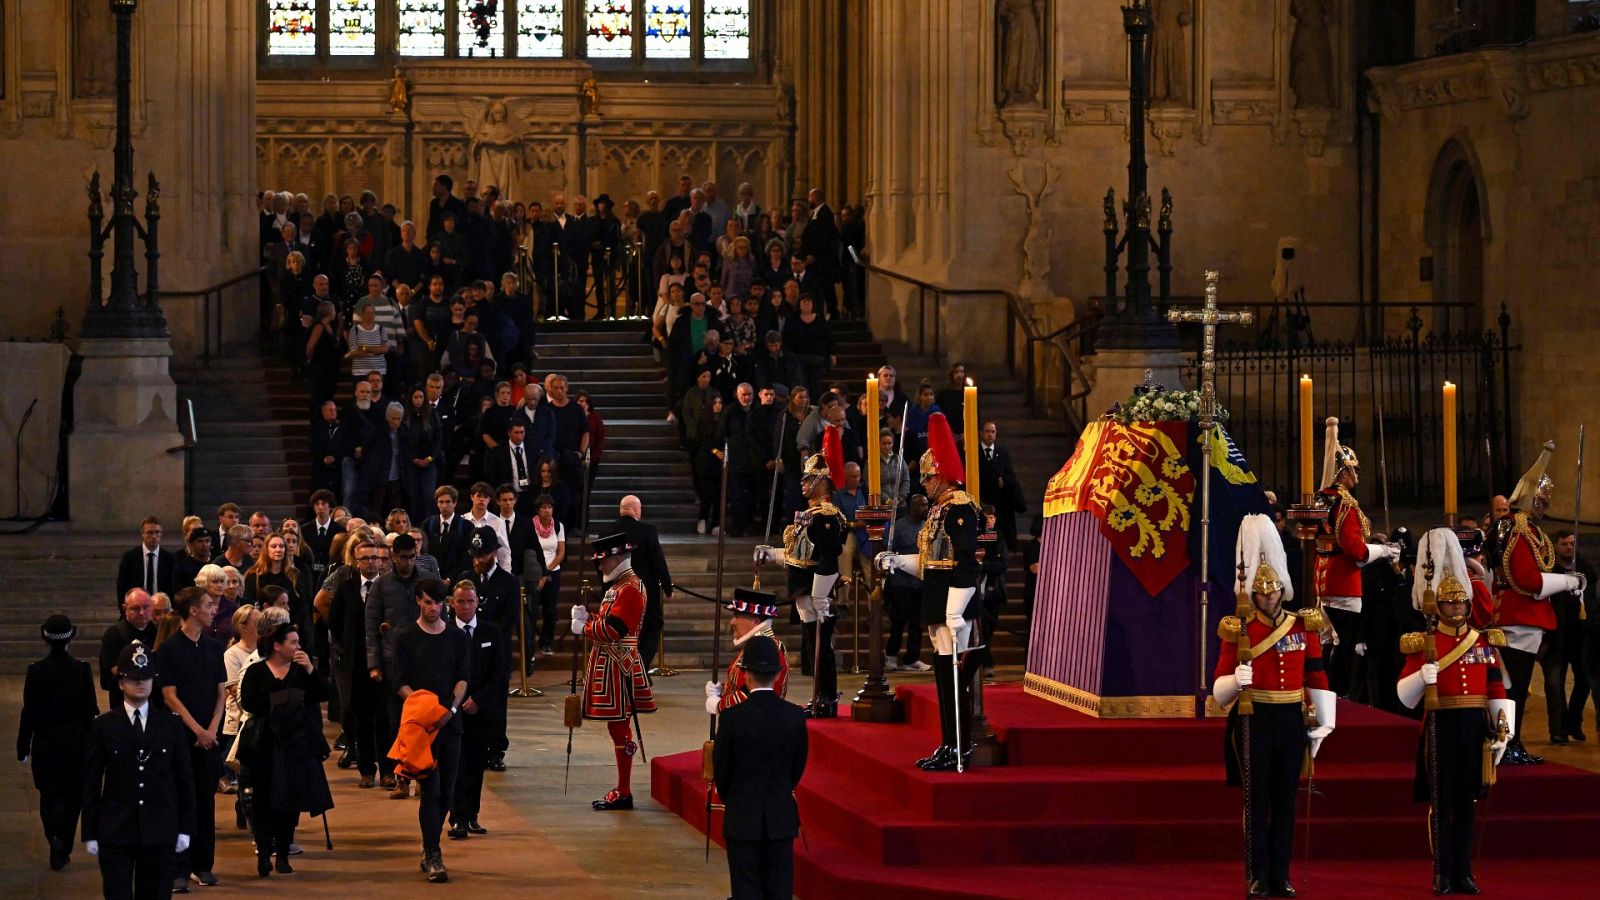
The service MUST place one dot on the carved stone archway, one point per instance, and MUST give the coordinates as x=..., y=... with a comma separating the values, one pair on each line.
x=1456, y=226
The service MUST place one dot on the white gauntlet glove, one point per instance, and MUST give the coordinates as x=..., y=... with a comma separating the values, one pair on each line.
x=765, y=554
x=1430, y=673
x=1327, y=713
x=897, y=562
x=1509, y=707
x=1244, y=675
x=713, y=697
x=1226, y=688
x=580, y=617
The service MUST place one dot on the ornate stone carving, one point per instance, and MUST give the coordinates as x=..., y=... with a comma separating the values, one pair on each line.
x=1021, y=58
x=447, y=154
x=1034, y=182
x=1171, y=52
x=1244, y=112
x=1168, y=125
x=1096, y=112
x=1314, y=125
x=544, y=156
x=493, y=144
x=1311, y=53
x=1023, y=127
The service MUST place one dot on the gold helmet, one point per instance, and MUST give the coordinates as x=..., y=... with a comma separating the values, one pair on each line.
x=1336, y=457
x=828, y=464
x=1266, y=580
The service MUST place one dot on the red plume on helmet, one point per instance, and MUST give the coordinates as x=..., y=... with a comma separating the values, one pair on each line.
x=942, y=457
x=833, y=452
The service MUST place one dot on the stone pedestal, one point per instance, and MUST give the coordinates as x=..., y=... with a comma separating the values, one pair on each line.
x=124, y=423
x=1115, y=372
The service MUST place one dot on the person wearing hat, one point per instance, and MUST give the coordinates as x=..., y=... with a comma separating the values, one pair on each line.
x=1342, y=552
x=58, y=707
x=616, y=687
x=138, y=788
x=1524, y=582
x=811, y=549
x=753, y=611
x=758, y=760
x=947, y=563
x=499, y=592
x=1464, y=669
x=603, y=246
x=196, y=556
x=1284, y=669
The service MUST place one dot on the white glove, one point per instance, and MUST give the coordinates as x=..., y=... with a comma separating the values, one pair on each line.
x=1243, y=675
x=1379, y=552
x=1551, y=583
x=821, y=605
x=1430, y=673
x=1583, y=581
x=580, y=616
x=1361, y=649
x=183, y=843
x=713, y=697
x=897, y=562
x=1510, y=708
x=1409, y=689
x=821, y=589
x=93, y=847
x=1327, y=706
x=766, y=554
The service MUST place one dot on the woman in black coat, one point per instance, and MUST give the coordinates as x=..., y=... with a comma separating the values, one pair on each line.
x=282, y=744
x=58, y=706
x=420, y=457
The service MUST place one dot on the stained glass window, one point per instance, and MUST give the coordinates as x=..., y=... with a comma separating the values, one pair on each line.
x=352, y=28
x=480, y=30
x=419, y=25
x=727, y=29
x=666, y=30
x=609, y=24
x=540, y=28
x=291, y=27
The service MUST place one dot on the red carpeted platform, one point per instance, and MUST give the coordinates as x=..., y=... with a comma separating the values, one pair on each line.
x=1130, y=808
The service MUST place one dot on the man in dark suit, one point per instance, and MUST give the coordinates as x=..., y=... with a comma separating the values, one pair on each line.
x=365, y=707
x=147, y=565
x=578, y=232
x=58, y=708
x=759, y=758
x=519, y=528
x=447, y=533
x=997, y=483
x=138, y=791
x=484, y=709
x=650, y=564
x=444, y=203
x=820, y=244
x=329, y=441
x=318, y=533
x=515, y=464
x=137, y=624
x=384, y=462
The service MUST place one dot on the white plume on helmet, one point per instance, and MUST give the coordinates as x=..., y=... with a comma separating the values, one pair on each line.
x=1259, y=544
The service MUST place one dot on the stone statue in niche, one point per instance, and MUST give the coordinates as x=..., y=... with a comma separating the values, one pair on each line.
x=1021, y=52
x=1169, y=53
x=94, y=51
x=1311, y=53
x=494, y=148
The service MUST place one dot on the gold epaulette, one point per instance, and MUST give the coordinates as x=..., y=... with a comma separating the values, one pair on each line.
x=1413, y=642
x=1313, y=619
x=1228, y=629
x=827, y=509
x=958, y=497
x=1495, y=637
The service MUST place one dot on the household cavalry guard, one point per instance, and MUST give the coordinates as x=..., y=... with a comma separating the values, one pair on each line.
x=1524, y=584
x=947, y=562
x=1271, y=660
x=811, y=548
x=1471, y=726
x=753, y=612
x=1342, y=552
x=616, y=688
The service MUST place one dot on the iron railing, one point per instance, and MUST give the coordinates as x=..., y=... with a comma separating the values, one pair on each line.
x=212, y=310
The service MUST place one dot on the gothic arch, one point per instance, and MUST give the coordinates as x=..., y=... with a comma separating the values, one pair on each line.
x=1456, y=227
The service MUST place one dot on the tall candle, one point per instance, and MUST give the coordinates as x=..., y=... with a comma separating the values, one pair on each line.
x=1308, y=483
x=1449, y=450
x=870, y=442
x=969, y=416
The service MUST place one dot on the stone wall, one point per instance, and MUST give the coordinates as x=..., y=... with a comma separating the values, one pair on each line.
x=1523, y=120
x=194, y=93
x=989, y=165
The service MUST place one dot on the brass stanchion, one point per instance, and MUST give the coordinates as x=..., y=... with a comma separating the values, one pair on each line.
x=523, y=690
x=662, y=670
x=855, y=625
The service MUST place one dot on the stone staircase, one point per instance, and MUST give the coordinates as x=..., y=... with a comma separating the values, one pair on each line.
x=55, y=570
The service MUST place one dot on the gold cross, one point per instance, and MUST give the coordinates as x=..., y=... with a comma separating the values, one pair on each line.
x=1209, y=318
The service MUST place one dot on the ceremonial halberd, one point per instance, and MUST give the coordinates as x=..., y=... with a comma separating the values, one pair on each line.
x=1116, y=619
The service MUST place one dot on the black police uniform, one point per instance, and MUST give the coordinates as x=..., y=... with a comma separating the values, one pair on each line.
x=58, y=707
x=489, y=678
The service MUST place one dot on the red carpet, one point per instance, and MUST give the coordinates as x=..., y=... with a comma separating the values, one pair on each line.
x=1130, y=808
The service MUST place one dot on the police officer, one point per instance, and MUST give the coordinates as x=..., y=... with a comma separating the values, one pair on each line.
x=138, y=794
x=499, y=603
x=58, y=706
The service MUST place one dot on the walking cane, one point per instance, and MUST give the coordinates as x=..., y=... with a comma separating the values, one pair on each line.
x=707, y=770
x=1430, y=705
x=327, y=835
x=572, y=710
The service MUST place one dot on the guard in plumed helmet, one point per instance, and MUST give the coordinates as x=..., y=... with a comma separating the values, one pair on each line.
x=947, y=563
x=1524, y=583
x=58, y=706
x=753, y=612
x=139, y=790
x=811, y=548
x=616, y=689
x=1342, y=552
x=1275, y=656
x=1474, y=718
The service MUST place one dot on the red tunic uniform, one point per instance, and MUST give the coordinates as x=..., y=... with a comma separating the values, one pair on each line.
x=737, y=688
x=1527, y=555
x=1283, y=671
x=1470, y=680
x=1341, y=545
x=616, y=685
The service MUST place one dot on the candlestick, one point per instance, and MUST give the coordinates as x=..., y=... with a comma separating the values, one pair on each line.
x=870, y=441
x=1450, y=450
x=969, y=416
x=1308, y=483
